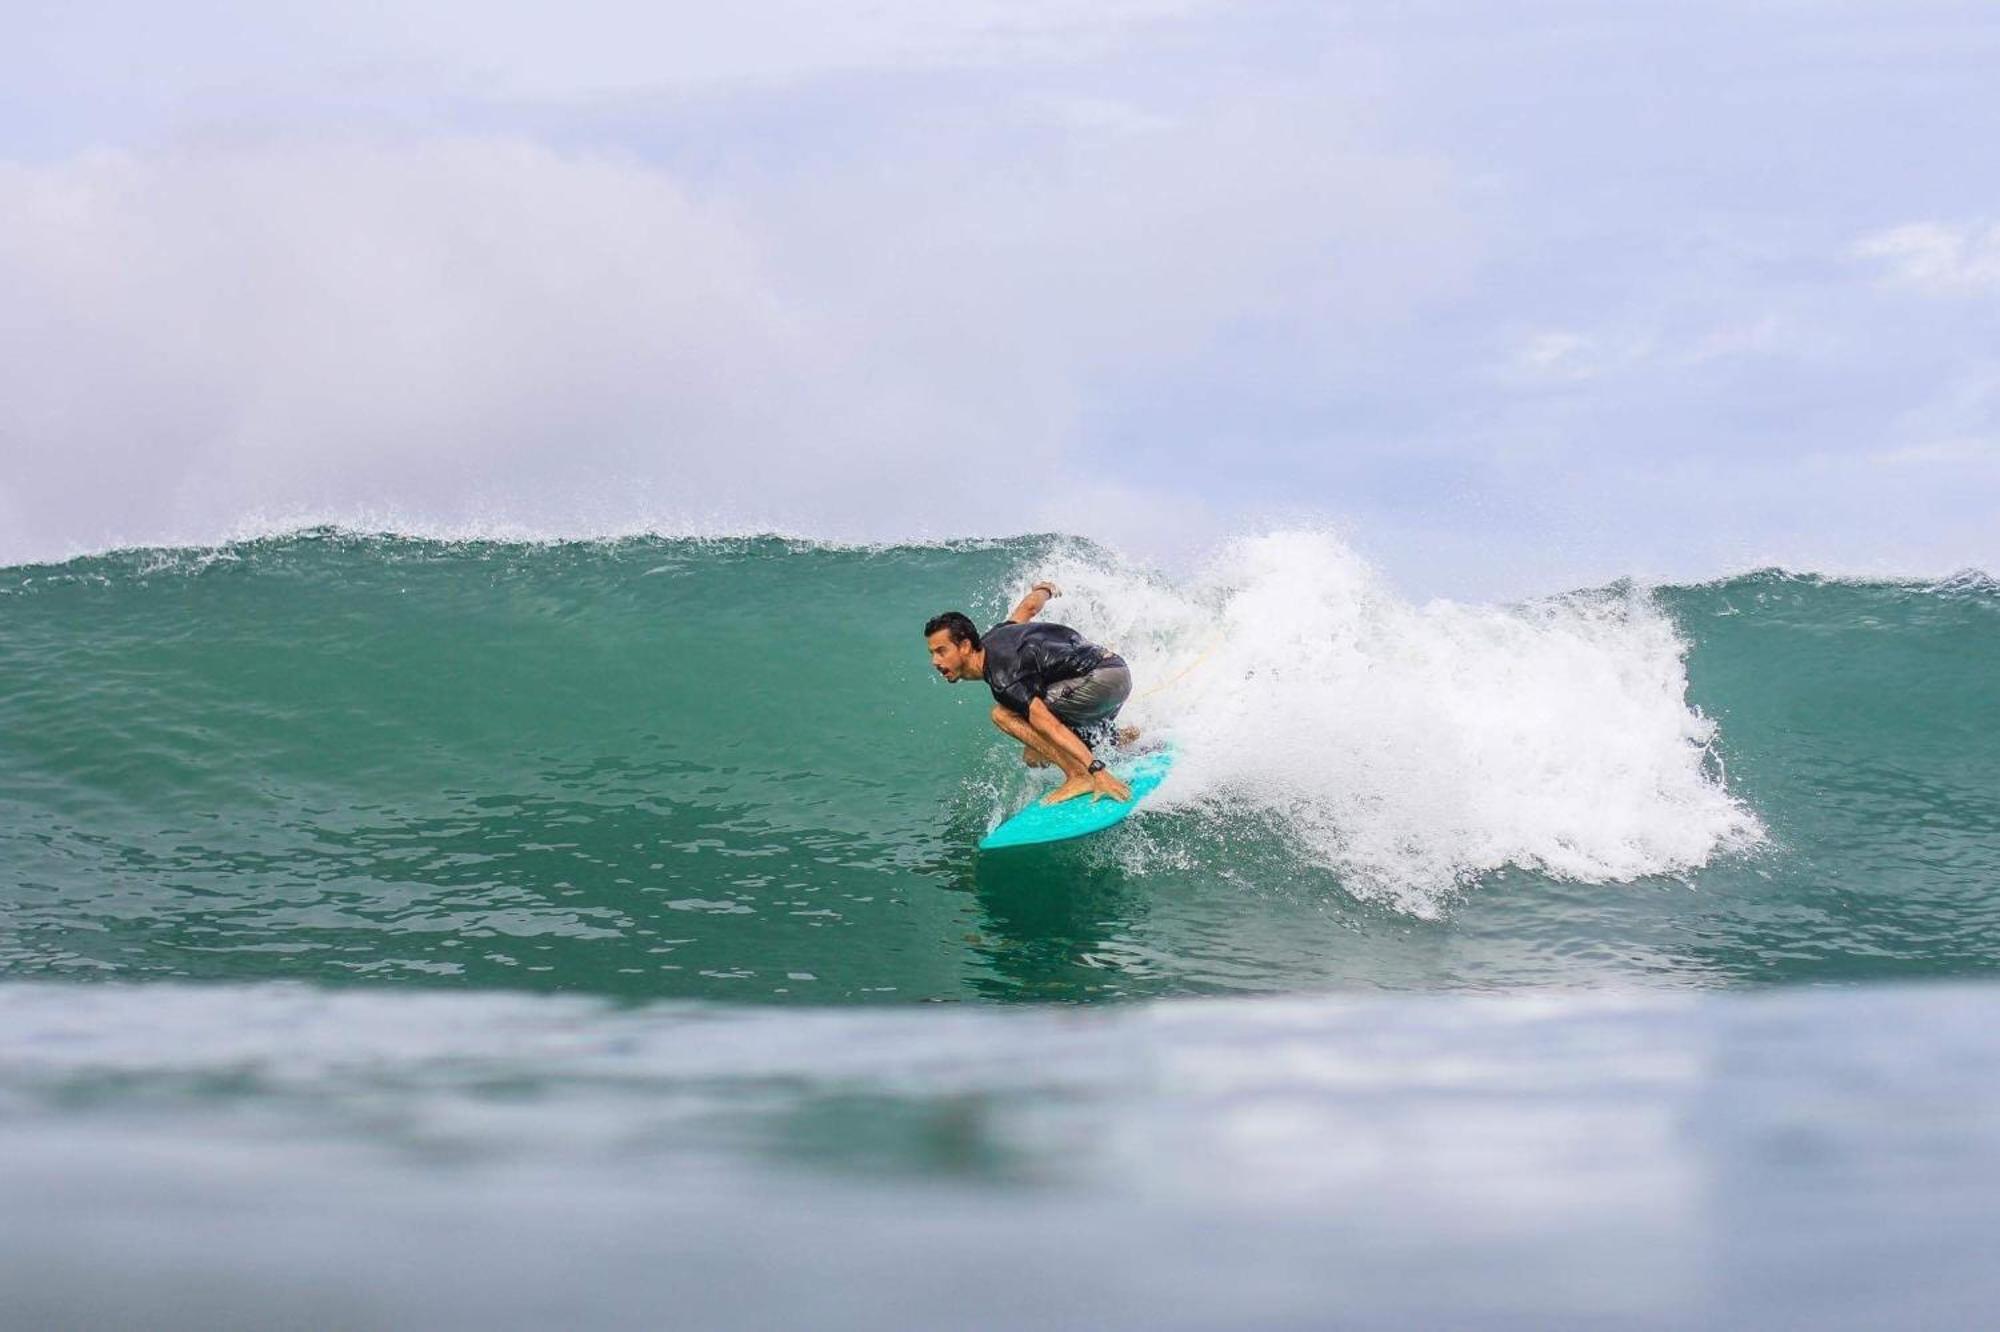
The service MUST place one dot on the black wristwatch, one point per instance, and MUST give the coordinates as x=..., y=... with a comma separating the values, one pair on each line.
x=1096, y=766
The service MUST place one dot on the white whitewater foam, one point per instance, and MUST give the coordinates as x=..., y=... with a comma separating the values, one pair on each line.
x=1413, y=748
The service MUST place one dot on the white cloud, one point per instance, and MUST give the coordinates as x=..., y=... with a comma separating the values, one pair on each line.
x=1938, y=258
x=440, y=329
x=1943, y=452
x=1959, y=427
x=1116, y=252
x=1103, y=115
x=519, y=49
x=466, y=331
x=1549, y=357
x=528, y=49
x=1754, y=337
x=1555, y=355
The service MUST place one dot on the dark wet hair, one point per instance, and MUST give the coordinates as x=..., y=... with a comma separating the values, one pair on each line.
x=961, y=629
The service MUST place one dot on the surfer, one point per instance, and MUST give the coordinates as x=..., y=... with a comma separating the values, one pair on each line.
x=1053, y=691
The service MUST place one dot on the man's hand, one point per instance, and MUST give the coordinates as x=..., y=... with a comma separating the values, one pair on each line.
x=1031, y=605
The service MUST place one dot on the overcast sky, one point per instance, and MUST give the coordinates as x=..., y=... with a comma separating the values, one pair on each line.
x=1519, y=295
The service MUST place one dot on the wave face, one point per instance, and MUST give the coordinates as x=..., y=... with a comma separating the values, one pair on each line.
x=722, y=769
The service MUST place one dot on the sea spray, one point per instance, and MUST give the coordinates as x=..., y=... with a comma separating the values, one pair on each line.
x=1413, y=748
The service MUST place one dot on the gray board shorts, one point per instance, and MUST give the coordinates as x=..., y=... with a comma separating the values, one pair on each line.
x=1087, y=703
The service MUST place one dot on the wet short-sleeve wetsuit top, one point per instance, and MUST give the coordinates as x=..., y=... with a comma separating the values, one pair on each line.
x=1023, y=660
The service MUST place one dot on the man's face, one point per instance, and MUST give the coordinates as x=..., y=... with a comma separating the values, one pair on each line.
x=949, y=657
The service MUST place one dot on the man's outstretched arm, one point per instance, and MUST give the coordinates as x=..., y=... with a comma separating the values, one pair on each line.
x=1031, y=605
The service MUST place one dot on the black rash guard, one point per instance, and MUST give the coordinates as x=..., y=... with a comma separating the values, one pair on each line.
x=1023, y=660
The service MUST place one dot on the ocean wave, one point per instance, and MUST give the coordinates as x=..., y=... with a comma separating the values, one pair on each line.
x=722, y=768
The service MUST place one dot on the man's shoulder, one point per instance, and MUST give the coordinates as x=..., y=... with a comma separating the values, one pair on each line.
x=1013, y=629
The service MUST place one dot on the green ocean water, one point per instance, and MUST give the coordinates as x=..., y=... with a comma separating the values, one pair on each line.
x=398, y=932
x=669, y=769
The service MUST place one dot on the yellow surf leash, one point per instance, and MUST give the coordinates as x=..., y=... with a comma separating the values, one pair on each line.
x=1184, y=671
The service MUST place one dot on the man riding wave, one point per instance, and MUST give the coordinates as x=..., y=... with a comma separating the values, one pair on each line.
x=1053, y=691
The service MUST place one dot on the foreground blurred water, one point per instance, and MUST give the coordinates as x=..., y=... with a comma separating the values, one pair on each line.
x=272, y=1156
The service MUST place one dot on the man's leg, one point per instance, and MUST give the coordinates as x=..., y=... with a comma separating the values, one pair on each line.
x=1033, y=746
x=1075, y=780
x=1089, y=703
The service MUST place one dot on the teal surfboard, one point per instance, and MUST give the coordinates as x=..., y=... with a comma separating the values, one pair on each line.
x=1082, y=816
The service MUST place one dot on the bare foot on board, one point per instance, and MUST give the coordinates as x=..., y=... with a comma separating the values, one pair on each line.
x=1069, y=790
